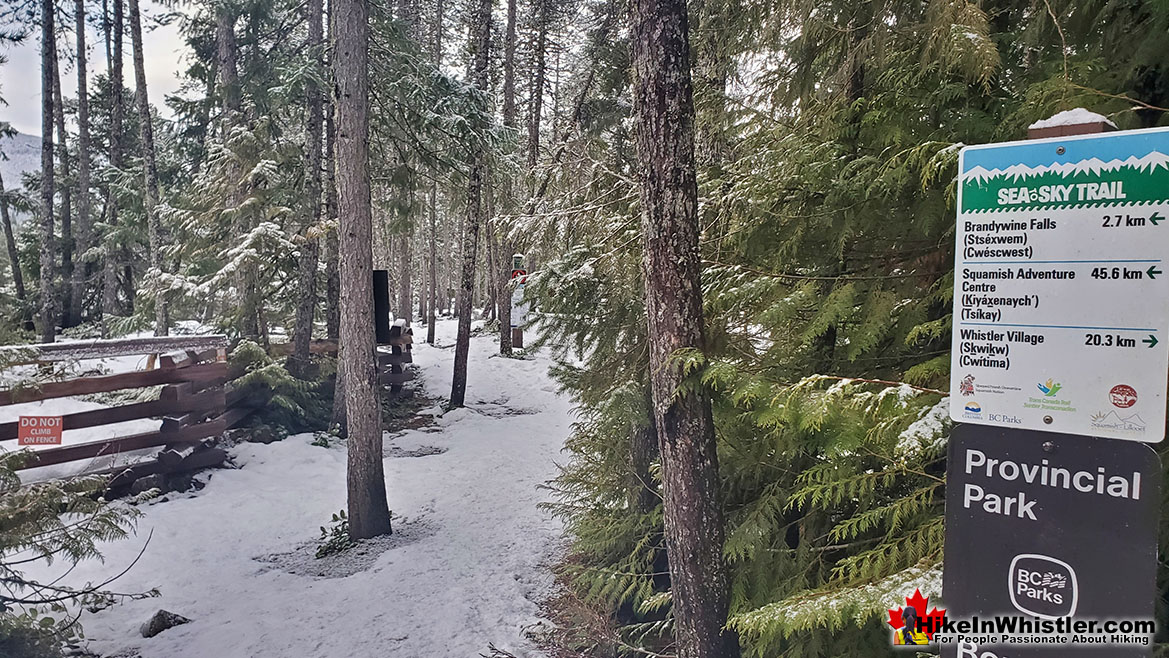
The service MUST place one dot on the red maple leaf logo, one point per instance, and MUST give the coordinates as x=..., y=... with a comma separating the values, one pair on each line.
x=929, y=622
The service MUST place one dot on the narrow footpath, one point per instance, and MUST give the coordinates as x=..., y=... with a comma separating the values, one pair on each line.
x=467, y=565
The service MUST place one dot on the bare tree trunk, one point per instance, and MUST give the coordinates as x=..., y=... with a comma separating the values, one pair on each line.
x=310, y=249
x=369, y=514
x=491, y=276
x=227, y=54
x=10, y=242
x=481, y=47
x=332, y=261
x=81, y=232
x=63, y=185
x=432, y=238
x=48, y=255
x=506, y=247
x=664, y=122
x=154, y=230
x=536, y=102
x=405, y=294
x=109, y=302
x=644, y=452
x=433, y=265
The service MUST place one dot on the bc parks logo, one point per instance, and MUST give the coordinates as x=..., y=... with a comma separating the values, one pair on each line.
x=1043, y=586
x=972, y=410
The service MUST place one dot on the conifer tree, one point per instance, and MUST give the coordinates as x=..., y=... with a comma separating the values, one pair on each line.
x=480, y=61
x=369, y=513
x=690, y=477
x=47, y=324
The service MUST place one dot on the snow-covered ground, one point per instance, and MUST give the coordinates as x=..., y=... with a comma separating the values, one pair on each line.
x=468, y=566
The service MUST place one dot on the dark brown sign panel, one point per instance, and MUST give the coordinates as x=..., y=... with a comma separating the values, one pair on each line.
x=1044, y=525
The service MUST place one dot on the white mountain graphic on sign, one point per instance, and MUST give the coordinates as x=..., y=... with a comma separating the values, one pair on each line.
x=1113, y=420
x=1149, y=162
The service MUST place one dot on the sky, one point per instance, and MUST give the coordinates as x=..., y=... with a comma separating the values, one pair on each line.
x=20, y=78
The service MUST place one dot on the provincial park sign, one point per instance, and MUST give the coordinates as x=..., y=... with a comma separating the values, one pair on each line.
x=1061, y=289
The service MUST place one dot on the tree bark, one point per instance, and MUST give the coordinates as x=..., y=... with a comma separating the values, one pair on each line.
x=227, y=55
x=536, y=102
x=433, y=238
x=506, y=247
x=405, y=294
x=332, y=259
x=81, y=231
x=310, y=248
x=10, y=243
x=481, y=47
x=644, y=451
x=150, y=202
x=63, y=185
x=109, y=302
x=48, y=255
x=664, y=121
x=369, y=513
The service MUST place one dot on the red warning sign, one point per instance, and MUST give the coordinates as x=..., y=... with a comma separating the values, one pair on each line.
x=40, y=431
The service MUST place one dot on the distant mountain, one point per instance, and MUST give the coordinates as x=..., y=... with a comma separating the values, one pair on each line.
x=24, y=154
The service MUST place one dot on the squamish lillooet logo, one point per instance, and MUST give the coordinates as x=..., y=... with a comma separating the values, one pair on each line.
x=912, y=625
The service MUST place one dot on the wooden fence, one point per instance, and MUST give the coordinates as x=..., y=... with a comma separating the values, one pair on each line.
x=196, y=403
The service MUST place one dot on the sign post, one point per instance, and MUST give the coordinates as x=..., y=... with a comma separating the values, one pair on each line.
x=519, y=308
x=1059, y=367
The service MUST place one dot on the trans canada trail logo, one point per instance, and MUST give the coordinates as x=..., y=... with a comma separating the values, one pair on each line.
x=1050, y=387
x=912, y=625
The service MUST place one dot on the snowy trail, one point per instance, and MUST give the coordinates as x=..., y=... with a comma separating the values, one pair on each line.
x=468, y=569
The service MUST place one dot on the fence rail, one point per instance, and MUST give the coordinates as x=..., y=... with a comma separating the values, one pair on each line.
x=194, y=404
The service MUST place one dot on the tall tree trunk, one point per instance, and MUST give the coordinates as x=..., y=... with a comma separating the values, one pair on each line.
x=63, y=184
x=536, y=102
x=150, y=202
x=81, y=231
x=227, y=56
x=506, y=246
x=405, y=294
x=481, y=48
x=332, y=246
x=332, y=259
x=490, y=312
x=644, y=452
x=433, y=238
x=48, y=252
x=310, y=249
x=109, y=302
x=369, y=513
x=664, y=121
x=10, y=243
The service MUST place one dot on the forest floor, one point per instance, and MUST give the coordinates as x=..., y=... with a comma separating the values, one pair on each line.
x=467, y=567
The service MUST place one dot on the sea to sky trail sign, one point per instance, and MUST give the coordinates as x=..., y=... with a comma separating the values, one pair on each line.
x=1050, y=525
x=1061, y=285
